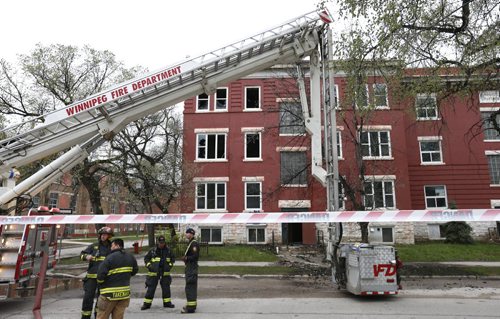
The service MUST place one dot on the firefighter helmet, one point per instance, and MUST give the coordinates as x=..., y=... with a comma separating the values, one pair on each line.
x=106, y=230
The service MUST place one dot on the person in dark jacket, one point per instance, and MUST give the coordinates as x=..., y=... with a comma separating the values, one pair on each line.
x=159, y=261
x=190, y=258
x=95, y=255
x=113, y=277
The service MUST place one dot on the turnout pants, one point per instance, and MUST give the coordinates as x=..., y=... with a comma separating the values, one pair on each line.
x=152, y=283
x=89, y=290
x=115, y=308
x=191, y=291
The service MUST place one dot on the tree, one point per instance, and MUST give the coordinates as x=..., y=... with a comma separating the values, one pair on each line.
x=394, y=39
x=149, y=162
x=457, y=39
x=53, y=76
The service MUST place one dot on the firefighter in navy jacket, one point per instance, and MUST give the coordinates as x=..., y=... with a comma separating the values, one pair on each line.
x=113, y=277
x=95, y=255
x=159, y=261
x=190, y=258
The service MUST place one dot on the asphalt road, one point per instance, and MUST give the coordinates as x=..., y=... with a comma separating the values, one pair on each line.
x=262, y=298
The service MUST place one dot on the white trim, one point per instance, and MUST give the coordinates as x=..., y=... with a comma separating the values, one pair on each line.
x=375, y=158
x=212, y=130
x=376, y=127
x=286, y=99
x=294, y=185
x=429, y=138
x=210, y=211
x=301, y=203
x=381, y=177
x=494, y=98
x=381, y=107
x=489, y=109
x=445, y=196
x=292, y=148
x=496, y=152
x=291, y=134
x=208, y=104
x=495, y=203
x=245, y=145
x=245, y=109
x=245, y=195
x=339, y=128
x=252, y=178
x=253, y=160
x=210, y=179
x=227, y=99
x=213, y=160
x=252, y=129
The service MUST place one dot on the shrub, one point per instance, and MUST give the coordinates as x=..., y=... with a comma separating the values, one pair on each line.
x=458, y=233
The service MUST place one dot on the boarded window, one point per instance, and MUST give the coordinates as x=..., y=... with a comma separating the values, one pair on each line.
x=293, y=168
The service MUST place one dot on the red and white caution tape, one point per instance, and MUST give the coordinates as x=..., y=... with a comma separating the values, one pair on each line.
x=394, y=216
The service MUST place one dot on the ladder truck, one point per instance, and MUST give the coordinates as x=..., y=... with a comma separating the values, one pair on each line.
x=76, y=130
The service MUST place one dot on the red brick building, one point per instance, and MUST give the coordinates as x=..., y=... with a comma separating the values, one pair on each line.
x=252, y=153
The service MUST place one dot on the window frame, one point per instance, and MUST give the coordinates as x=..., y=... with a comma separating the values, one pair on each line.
x=303, y=173
x=226, y=99
x=198, y=103
x=340, y=154
x=424, y=139
x=297, y=130
x=435, y=197
x=367, y=101
x=389, y=144
x=259, y=196
x=494, y=172
x=211, y=228
x=488, y=129
x=246, y=158
x=215, y=209
x=436, y=108
x=256, y=228
x=215, y=159
x=53, y=200
x=386, y=98
x=252, y=109
x=372, y=181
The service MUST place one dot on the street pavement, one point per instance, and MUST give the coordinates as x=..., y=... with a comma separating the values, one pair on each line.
x=284, y=308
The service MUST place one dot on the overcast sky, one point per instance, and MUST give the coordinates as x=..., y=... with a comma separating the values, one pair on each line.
x=151, y=33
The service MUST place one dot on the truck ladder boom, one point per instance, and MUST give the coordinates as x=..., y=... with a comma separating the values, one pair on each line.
x=108, y=112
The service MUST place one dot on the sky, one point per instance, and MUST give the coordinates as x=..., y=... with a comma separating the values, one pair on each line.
x=149, y=33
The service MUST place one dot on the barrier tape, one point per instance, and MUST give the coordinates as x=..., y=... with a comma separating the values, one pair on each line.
x=393, y=216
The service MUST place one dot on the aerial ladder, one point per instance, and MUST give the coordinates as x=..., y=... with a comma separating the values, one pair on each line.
x=85, y=125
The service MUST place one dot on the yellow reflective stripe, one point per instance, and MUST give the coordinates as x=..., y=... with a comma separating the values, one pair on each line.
x=191, y=303
x=168, y=260
x=83, y=256
x=166, y=273
x=147, y=265
x=91, y=275
x=155, y=259
x=152, y=273
x=99, y=258
x=100, y=281
x=114, y=289
x=167, y=299
x=146, y=300
x=86, y=313
x=119, y=270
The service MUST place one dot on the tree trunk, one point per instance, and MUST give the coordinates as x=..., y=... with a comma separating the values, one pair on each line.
x=364, y=231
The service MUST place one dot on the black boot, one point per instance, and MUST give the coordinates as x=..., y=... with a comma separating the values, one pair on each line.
x=145, y=306
x=168, y=305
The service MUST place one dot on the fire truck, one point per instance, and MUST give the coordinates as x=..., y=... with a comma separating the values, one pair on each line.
x=76, y=130
x=22, y=248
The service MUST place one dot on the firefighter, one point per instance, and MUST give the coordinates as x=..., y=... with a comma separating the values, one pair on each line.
x=159, y=261
x=113, y=277
x=94, y=254
x=190, y=259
